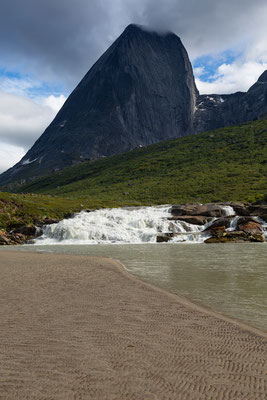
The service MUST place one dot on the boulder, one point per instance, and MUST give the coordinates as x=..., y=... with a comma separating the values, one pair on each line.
x=241, y=209
x=250, y=226
x=236, y=237
x=219, y=223
x=46, y=221
x=259, y=210
x=29, y=230
x=196, y=209
x=191, y=219
x=165, y=237
x=11, y=239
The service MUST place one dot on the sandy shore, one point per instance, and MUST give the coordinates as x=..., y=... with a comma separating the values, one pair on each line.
x=81, y=328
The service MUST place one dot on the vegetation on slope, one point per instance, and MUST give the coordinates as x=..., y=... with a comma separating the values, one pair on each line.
x=222, y=165
x=18, y=209
x=228, y=164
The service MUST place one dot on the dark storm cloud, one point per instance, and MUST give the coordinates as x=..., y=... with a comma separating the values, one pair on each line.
x=54, y=39
x=61, y=39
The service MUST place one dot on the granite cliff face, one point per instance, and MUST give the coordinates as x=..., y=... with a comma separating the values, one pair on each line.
x=141, y=91
x=216, y=111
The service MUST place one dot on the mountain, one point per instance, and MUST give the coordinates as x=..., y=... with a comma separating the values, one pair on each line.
x=141, y=91
x=215, y=111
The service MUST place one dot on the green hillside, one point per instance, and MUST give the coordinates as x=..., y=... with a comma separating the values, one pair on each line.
x=226, y=164
x=21, y=209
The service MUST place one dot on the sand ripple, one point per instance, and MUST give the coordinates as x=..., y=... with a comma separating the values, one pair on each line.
x=77, y=328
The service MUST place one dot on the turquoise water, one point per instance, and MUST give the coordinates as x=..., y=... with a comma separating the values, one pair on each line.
x=230, y=278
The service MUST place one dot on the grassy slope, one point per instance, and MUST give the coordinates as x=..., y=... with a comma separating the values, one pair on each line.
x=226, y=164
x=19, y=209
x=223, y=165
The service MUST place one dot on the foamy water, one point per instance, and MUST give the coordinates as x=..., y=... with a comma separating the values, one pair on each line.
x=130, y=225
x=123, y=225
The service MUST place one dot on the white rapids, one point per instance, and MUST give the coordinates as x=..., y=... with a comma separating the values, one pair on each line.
x=121, y=225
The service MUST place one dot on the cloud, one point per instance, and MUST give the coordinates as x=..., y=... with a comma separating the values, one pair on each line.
x=9, y=155
x=231, y=78
x=54, y=102
x=23, y=120
x=60, y=40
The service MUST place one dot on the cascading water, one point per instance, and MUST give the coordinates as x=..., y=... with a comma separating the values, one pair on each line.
x=120, y=225
x=131, y=225
x=228, y=211
x=233, y=224
x=264, y=227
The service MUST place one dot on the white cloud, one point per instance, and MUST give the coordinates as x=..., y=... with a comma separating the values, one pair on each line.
x=22, y=121
x=54, y=102
x=9, y=155
x=230, y=78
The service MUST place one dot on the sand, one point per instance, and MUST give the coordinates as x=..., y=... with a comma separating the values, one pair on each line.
x=78, y=328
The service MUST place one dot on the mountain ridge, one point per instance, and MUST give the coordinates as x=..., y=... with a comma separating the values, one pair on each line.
x=139, y=92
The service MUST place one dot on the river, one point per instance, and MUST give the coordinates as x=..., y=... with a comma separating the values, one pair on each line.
x=230, y=278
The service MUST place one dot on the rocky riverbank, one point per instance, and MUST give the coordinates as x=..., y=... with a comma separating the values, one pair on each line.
x=25, y=233
x=211, y=223
x=225, y=222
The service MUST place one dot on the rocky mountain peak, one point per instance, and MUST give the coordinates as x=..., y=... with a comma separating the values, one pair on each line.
x=263, y=77
x=141, y=91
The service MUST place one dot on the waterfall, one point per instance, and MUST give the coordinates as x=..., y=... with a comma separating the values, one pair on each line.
x=233, y=224
x=228, y=211
x=120, y=225
x=131, y=225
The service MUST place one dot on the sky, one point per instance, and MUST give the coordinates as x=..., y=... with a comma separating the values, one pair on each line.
x=47, y=46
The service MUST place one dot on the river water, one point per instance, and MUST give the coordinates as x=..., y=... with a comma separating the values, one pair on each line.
x=230, y=278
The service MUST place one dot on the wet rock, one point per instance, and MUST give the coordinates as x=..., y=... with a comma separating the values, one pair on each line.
x=219, y=223
x=191, y=219
x=259, y=210
x=241, y=209
x=29, y=230
x=7, y=239
x=206, y=210
x=250, y=226
x=165, y=237
x=236, y=237
x=46, y=221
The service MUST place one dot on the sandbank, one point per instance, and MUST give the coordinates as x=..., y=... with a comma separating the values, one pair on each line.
x=76, y=327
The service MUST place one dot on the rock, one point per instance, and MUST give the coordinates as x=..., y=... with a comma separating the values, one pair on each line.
x=219, y=223
x=241, y=209
x=29, y=230
x=46, y=221
x=259, y=210
x=216, y=111
x=250, y=226
x=11, y=239
x=206, y=210
x=236, y=237
x=191, y=219
x=165, y=237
